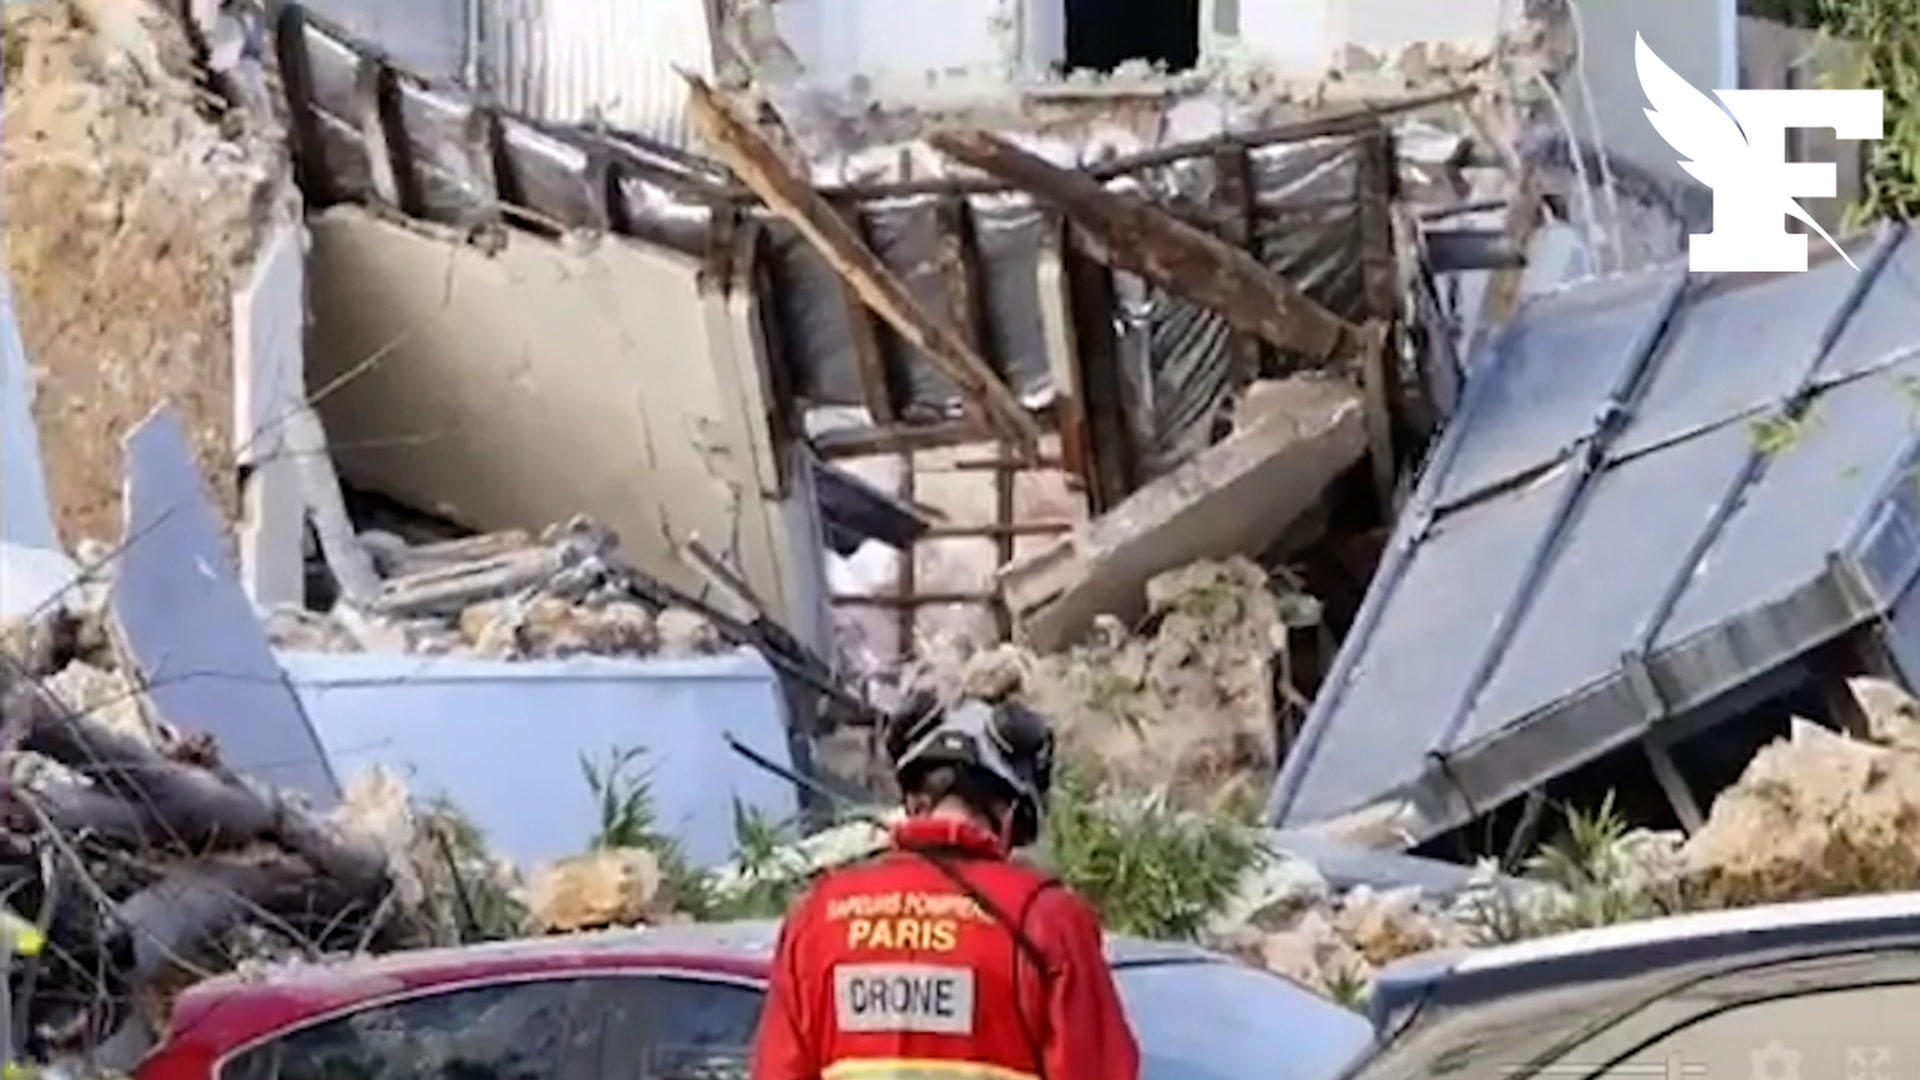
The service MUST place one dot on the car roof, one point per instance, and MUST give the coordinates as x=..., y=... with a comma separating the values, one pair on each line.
x=278, y=995
x=1444, y=1005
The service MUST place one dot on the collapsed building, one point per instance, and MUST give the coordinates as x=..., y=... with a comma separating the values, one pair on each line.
x=507, y=414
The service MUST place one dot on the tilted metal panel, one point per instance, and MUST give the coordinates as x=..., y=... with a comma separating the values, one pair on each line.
x=1706, y=551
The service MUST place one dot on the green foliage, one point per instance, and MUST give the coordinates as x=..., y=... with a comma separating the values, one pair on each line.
x=1593, y=878
x=771, y=887
x=1888, y=35
x=466, y=889
x=623, y=793
x=1151, y=869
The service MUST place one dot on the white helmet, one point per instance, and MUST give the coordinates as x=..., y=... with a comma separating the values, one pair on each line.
x=1004, y=740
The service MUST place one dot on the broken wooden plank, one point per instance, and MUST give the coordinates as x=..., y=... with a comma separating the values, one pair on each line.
x=1143, y=239
x=1523, y=218
x=1377, y=389
x=755, y=163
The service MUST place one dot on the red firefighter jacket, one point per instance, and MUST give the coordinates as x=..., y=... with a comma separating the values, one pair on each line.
x=904, y=968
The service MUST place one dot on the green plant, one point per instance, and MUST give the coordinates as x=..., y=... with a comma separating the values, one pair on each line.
x=1150, y=868
x=1887, y=37
x=1590, y=868
x=465, y=886
x=624, y=796
x=771, y=887
x=1348, y=986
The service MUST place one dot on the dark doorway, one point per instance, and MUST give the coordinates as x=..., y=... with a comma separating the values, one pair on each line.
x=1103, y=34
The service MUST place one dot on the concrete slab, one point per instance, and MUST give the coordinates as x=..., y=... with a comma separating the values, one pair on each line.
x=269, y=373
x=517, y=388
x=1236, y=498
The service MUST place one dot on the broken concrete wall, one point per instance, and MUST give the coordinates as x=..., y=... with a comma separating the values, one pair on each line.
x=843, y=43
x=521, y=387
x=1239, y=496
x=1311, y=37
x=1697, y=38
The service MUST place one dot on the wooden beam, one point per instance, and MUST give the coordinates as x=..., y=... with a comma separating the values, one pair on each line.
x=757, y=166
x=1142, y=239
x=1377, y=385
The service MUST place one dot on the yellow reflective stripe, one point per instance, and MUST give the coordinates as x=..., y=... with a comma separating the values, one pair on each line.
x=919, y=1069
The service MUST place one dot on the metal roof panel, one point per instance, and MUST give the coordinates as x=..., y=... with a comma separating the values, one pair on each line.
x=1789, y=520
x=1641, y=478
x=1557, y=360
x=1416, y=664
x=1719, y=360
x=1629, y=541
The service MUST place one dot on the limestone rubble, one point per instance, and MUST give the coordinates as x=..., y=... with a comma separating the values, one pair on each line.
x=130, y=205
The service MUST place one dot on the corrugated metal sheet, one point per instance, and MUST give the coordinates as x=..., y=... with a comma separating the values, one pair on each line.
x=427, y=37
x=571, y=61
x=1615, y=530
x=1319, y=214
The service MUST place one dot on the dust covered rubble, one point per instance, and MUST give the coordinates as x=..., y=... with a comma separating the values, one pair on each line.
x=508, y=595
x=133, y=206
x=1186, y=704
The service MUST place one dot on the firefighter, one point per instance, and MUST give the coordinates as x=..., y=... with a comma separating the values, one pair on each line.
x=941, y=959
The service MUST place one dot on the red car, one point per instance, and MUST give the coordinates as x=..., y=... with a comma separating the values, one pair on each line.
x=672, y=1003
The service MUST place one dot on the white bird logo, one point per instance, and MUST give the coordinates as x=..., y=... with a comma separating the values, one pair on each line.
x=1711, y=144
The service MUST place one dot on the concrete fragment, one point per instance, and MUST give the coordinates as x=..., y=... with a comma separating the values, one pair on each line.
x=1236, y=498
x=610, y=887
x=685, y=633
x=269, y=373
x=520, y=387
x=352, y=567
x=1187, y=708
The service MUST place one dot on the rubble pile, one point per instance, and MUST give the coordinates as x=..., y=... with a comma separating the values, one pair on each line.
x=149, y=862
x=1818, y=813
x=505, y=596
x=1184, y=703
x=607, y=887
x=131, y=206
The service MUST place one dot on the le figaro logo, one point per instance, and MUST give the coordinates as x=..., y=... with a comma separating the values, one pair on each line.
x=1741, y=153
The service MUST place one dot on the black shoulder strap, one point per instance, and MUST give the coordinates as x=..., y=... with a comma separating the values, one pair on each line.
x=1016, y=929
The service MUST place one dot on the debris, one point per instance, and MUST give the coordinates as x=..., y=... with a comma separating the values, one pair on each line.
x=1816, y=814
x=1133, y=235
x=1235, y=498
x=178, y=851
x=760, y=169
x=1186, y=705
x=610, y=887
x=189, y=632
x=128, y=216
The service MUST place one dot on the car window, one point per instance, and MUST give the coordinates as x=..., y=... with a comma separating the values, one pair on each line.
x=656, y=1027
x=507, y=1031
x=1860, y=1032
x=1226, y=1021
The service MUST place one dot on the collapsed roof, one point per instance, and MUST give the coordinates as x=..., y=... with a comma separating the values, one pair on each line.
x=1660, y=488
